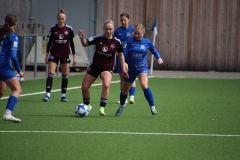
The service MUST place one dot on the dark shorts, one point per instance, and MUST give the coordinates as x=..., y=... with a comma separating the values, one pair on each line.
x=56, y=60
x=95, y=70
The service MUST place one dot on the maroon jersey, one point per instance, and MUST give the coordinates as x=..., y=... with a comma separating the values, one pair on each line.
x=60, y=41
x=106, y=49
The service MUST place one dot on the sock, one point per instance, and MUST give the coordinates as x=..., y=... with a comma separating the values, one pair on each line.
x=12, y=101
x=123, y=98
x=86, y=101
x=48, y=94
x=49, y=82
x=132, y=91
x=103, y=102
x=148, y=95
x=64, y=84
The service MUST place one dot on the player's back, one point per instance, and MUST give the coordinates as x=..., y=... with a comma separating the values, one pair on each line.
x=8, y=44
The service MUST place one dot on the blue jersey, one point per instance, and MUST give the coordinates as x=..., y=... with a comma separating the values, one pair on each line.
x=123, y=34
x=136, y=53
x=9, y=52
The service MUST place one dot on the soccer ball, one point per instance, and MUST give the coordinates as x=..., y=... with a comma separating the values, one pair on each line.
x=20, y=79
x=82, y=110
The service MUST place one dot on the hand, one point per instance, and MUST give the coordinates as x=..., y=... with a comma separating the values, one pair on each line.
x=46, y=59
x=21, y=74
x=160, y=61
x=74, y=61
x=81, y=33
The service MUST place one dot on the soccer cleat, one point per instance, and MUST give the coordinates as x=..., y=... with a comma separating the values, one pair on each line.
x=46, y=99
x=9, y=117
x=120, y=110
x=89, y=107
x=154, y=111
x=64, y=99
x=131, y=100
x=101, y=111
x=125, y=101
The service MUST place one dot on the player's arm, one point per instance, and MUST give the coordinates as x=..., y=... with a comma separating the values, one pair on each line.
x=72, y=45
x=49, y=44
x=122, y=61
x=156, y=54
x=81, y=34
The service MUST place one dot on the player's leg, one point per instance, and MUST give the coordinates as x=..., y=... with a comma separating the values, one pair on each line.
x=14, y=85
x=2, y=88
x=52, y=64
x=125, y=89
x=65, y=71
x=89, y=78
x=132, y=92
x=143, y=79
x=106, y=81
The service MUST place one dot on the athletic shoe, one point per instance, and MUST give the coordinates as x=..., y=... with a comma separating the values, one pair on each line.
x=131, y=100
x=46, y=99
x=154, y=111
x=125, y=101
x=120, y=110
x=9, y=117
x=64, y=99
x=89, y=107
x=101, y=111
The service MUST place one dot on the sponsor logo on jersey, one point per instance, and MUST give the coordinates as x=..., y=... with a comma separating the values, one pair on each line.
x=104, y=49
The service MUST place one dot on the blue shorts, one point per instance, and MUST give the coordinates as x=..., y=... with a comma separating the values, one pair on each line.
x=6, y=73
x=118, y=64
x=134, y=74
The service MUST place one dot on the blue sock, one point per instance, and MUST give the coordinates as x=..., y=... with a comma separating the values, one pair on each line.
x=148, y=95
x=132, y=91
x=123, y=98
x=12, y=101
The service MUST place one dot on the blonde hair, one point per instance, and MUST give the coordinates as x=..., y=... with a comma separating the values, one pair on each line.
x=61, y=11
x=108, y=22
x=140, y=27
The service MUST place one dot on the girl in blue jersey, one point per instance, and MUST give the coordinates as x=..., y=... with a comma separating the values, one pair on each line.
x=123, y=32
x=9, y=41
x=136, y=58
x=106, y=48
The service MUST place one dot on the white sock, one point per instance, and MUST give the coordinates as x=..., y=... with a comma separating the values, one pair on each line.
x=48, y=94
x=152, y=107
x=8, y=112
x=63, y=95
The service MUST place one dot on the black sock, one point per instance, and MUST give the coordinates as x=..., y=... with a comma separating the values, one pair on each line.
x=49, y=82
x=64, y=84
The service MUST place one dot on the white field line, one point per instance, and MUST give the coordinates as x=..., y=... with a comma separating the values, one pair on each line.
x=126, y=133
x=57, y=90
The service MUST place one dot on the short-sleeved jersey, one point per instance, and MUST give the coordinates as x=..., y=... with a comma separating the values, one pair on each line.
x=9, y=51
x=123, y=34
x=59, y=40
x=136, y=53
x=105, y=50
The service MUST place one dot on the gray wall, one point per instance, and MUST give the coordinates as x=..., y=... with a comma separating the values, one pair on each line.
x=81, y=14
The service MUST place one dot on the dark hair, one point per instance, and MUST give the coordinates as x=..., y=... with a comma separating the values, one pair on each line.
x=10, y=20
x=124, y=15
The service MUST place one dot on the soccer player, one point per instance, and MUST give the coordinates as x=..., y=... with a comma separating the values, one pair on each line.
x=9, y=41
x=123, y=32
x=59, y=47
x=136, y=57
x=103, y=63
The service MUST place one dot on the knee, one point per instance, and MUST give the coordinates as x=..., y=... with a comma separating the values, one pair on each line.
x=106, y=86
